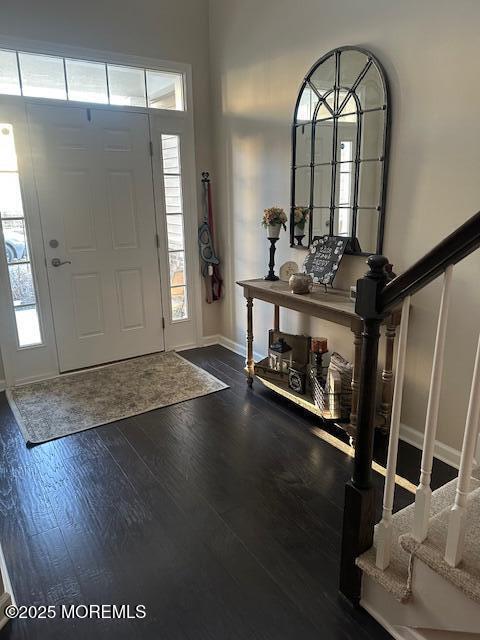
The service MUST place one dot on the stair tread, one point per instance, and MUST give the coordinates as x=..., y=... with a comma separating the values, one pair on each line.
x=395, y=578
x=466, y=576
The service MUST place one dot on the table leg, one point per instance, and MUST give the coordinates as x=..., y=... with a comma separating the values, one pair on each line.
x=387, y=375
x=276, y=317
x=357, y=343
x=249, y=363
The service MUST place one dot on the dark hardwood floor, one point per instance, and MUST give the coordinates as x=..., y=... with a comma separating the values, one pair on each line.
x=222, y=515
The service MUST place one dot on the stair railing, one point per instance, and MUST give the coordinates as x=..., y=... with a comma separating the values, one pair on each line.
x=375, y=298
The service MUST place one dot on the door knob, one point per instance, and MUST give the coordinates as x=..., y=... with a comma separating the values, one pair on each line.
x=56, y=262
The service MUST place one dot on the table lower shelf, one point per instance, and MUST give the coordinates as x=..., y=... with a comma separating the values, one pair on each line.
x=303, y=400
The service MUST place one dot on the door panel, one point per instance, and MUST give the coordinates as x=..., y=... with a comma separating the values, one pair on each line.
x=121, y=207
x=95, y=192
x=88, y=306
x=79, y=217
x=131, y=301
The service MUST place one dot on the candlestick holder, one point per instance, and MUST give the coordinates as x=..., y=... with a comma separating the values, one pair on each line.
x=271, y=265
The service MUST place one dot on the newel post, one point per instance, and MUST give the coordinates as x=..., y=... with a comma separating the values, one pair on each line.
x=359, y=509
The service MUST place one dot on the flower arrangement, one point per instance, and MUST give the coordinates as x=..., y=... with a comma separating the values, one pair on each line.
x=274, y=216
x=300, y=216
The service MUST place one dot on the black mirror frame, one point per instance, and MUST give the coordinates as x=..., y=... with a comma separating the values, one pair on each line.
x=372, y=60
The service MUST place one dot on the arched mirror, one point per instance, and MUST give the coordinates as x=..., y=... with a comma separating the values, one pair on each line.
x=340, y=139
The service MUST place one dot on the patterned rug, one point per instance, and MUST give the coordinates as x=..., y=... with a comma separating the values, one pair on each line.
x=74, y=402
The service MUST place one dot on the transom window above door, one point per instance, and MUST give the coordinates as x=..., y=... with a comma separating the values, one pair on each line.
x=60, y=78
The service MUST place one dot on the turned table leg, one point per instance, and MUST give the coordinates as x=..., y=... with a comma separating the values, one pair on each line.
x=249, y=362
x=387, y=375
x=357, y=343
x=276, y=317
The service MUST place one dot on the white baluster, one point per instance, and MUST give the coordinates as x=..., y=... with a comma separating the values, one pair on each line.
x=423, y=495
x=384, y=532
x=456, y=525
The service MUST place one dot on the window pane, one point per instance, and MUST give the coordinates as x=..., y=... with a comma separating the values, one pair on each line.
x=303, y=145
x=342, y=222
x=367, y=230
x=321, y=222
x=177, y=268
x=171, y=154
x=307, y=104
x=10, y=196
x=87, y=81
x=127, y=86
x=179, y=303
x=175, y=233
x=323, y=141
x=8, y=156
x=346, y=139
x=21, y=283
x=373, y=129
x=370, y=181
x=165, y=90
x=173, y=194
x=302, y=186
x=9, y=82
x=352, y=64
x=322, y=185
x=42, y=76
x=345, y=183
x=14, y=236
x=370, y=90
x=28, y=326
x=323, y=78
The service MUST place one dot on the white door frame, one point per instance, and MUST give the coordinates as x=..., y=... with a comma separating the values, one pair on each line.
x=22, y=365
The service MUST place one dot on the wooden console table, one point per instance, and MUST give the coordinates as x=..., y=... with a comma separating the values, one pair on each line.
x=333, y=306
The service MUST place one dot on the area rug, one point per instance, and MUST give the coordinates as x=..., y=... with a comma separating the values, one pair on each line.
x=78, y=401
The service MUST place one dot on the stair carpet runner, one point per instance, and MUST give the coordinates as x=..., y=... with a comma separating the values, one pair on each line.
x=397, y=578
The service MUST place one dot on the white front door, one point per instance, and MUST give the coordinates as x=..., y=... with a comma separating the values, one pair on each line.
x=93, y=177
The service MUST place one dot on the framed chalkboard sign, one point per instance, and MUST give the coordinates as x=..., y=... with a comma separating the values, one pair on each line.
x=324, y=258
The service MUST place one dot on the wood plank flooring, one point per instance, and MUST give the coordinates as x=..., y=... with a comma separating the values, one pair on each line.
x=222, y=515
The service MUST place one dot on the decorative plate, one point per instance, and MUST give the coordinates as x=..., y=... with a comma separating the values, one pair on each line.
x=288, y=269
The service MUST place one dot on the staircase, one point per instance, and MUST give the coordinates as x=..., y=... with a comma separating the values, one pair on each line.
x=417, y=571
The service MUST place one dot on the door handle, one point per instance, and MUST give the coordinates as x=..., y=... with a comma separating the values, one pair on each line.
x=56, y=262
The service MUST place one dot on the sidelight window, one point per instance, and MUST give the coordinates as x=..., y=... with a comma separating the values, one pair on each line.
x=15, y=242
x=172, y=181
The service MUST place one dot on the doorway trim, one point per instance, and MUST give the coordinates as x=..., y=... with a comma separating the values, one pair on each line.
x=27, y=364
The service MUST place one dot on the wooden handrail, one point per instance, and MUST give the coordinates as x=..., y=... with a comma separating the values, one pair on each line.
x=449, y=251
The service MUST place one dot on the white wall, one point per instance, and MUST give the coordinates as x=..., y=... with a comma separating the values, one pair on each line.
x=260, y=51
x=174, y=30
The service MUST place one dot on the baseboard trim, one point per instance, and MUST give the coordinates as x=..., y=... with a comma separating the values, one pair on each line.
x=231, y=345
x=238, y=348
x=185, y=347
x=443, y=452
x=208, y=341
